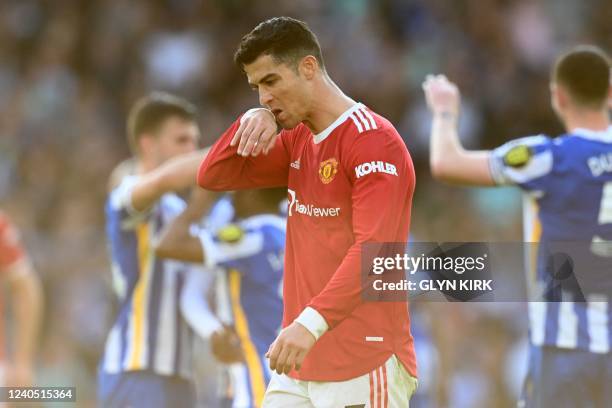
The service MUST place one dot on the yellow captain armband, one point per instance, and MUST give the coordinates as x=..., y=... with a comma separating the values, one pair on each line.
x=518, y=156
x=230, y=233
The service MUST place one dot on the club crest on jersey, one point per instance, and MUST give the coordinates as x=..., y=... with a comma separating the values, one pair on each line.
x=518, y=156
x=328, y=170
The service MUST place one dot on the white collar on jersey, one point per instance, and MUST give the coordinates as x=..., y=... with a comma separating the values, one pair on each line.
x=601, y=136
x=319, y=137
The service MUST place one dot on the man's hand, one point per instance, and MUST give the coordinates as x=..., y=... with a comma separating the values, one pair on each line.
x=20, y=375
x=27, y=301
x=442, y=96
x=290, y=348
x=226, y=347
x=257, y=132
x=448, y=159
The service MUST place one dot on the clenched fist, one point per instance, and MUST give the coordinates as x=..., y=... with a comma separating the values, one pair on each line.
x=442, y=96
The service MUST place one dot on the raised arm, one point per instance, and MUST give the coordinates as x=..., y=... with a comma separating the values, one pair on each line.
x=27, y=302
x=176, y=174
x=449, y=161
x=26, y=295
x=250, y=154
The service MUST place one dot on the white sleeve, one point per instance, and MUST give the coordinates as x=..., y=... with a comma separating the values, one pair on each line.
x=194, y=305
x=523, y=162
x=313, y=322
x=121, y=201
x=217, y=253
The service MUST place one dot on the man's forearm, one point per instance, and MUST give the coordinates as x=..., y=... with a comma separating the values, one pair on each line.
x=176, y=174
x=445, y=145
x=224, y=169
x=26, y=293
x=181, y=173
x=450, y=161
x=177, y=243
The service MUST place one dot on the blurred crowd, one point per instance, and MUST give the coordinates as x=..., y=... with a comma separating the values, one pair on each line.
x=70, y=69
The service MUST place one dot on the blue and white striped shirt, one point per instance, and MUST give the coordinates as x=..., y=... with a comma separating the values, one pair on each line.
x=568, y=185
x=149, y=332
x=249, y=290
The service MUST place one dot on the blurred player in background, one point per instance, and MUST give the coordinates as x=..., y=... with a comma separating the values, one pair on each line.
x=207, y=312
x=250, y=252
x=147, y=358
x=350, y=181
x=569, y=183
x=17, y=369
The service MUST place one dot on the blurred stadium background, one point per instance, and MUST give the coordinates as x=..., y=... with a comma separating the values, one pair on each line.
x=70, y=69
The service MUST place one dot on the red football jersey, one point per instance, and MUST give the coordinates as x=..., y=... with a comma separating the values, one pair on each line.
x=350, y=184
x=11, y=251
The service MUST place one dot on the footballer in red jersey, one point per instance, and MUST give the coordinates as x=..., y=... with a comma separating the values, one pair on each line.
x=350, y=181
x=26, y=296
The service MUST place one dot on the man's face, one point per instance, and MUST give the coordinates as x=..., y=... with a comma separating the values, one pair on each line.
x=175, y=136
x=284, y=91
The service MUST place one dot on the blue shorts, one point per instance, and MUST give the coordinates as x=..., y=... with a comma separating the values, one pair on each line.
x=564, y=378
x=143, y=389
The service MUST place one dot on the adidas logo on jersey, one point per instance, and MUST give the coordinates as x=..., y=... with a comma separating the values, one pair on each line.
x=363, y=119
x=296, y=164
x=375, y=167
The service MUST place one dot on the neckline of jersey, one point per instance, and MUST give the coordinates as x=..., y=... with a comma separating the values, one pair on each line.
x=600, y=136
x=319, y=137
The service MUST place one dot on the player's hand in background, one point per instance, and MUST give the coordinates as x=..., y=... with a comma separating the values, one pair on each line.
x=226, y=347
x=290, y=348
x=257, y=132
x=442, y=96
x=20, y=375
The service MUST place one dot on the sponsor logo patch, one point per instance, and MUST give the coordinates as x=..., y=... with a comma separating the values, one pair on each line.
x=328, y=170
x=230, y=233
x=296, y=207
x=375, y=167
x=518, y=156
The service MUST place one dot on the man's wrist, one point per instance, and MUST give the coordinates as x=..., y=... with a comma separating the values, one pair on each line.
x=252, y=111
x=446, y=115
x=313, y=322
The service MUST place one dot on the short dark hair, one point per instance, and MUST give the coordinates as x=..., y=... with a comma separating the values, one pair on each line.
x=150, y=111
x=286, y=39
x=585, y=72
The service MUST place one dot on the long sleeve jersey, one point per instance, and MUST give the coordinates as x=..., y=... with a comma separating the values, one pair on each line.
x=350, y=184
